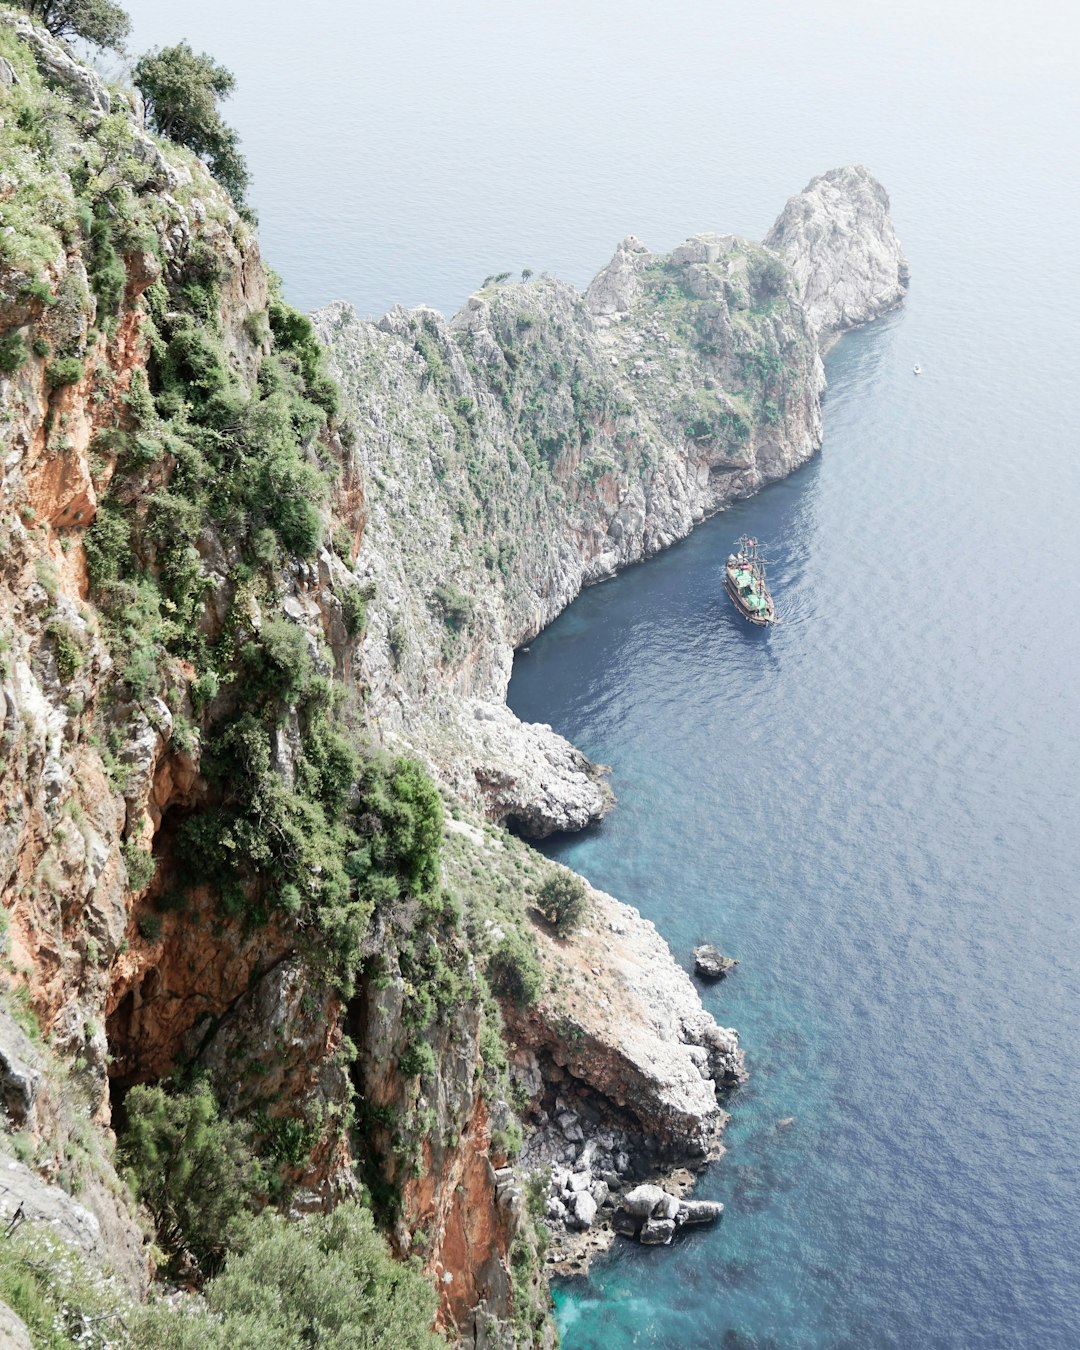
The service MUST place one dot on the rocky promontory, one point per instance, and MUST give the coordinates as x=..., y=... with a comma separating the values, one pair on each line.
x=541, y=440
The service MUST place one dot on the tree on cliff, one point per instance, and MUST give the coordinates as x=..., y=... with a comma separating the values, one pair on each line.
x=182, y=90
x=100, y=22
x=563, y=901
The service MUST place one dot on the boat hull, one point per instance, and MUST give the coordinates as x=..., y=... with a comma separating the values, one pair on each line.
x=759, y=618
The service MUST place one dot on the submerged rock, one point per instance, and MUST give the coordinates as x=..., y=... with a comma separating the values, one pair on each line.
x=710, y=963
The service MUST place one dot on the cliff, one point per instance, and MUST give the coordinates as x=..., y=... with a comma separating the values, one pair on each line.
x=227, y=591
x=541, y=440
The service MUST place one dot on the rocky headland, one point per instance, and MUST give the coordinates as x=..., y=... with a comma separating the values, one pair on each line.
x=239, y=605
x=541, y=440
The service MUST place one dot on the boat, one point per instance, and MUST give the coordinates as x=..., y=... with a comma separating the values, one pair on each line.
x=916, y=369
x=744, y=581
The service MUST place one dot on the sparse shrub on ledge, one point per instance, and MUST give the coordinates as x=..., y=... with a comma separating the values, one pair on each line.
x=65, y=370
x=562, y=900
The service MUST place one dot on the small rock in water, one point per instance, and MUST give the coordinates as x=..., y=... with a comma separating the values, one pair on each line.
x=710, y=962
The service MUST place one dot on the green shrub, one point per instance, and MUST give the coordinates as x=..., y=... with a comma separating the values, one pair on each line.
x=277, y=659
x=182, y=91
x=417, y=1060
x=194, y=1171
x=103, y=23
x=353, y=610
x=327, y=1281
x=41, y=346
x=768, y=275
x=150, y=926
x=508, y=1142
x=562, y=900
x=514, y=971
x=12, y=353
x=67, y=648
x=141, y=865
x=454, y=605
x=64, y=370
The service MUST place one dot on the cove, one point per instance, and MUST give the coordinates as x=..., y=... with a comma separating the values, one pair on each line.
x=867, y=807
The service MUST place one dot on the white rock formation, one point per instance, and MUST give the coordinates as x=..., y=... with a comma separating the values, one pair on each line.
x=838, y=239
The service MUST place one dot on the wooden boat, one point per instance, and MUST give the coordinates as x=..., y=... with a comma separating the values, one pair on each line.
x=744, y=581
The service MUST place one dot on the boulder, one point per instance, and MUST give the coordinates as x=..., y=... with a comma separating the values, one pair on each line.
x=58, y=66
x=644, y=1200
x=710, y=963
x=657, y=1232
x=699, y=1211
x=584, y=1209
x=668, y=1208
x=626, y=1224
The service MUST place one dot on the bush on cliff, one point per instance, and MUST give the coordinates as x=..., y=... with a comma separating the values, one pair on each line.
x=326, y=1282
x=562, y=900
x=194, y=1171
x=514, y=971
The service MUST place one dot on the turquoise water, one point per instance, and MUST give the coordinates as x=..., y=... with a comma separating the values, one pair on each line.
x=873, y=806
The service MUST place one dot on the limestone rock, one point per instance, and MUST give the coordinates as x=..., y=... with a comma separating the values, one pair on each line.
x=638, y=1035
x=643, y=1201
x=13, y=1330
x=710, y=963
x=699, y=1211
x=58, y=65
x=584, y=1209
x=615, y=290
x=839, y=242
x=657, y=1232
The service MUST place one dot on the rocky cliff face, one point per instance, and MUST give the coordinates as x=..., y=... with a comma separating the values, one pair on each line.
x=838, y=240
x=541, y=440
x=534, y=445
x=220, y=593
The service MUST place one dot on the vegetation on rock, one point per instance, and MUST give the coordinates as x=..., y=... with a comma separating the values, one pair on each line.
x=562, y=899
x=327, y=1282
x=182, y=90
x=99, y=22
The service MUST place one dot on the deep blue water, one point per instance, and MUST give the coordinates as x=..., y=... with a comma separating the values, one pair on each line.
x=874, y=806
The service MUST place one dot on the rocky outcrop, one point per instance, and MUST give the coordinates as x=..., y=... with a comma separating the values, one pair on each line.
x=541, y=440
x=620, y=1015
x=710, y=962
x=838, y=239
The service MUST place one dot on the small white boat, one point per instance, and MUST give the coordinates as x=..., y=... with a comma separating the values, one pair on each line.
x=916, y=369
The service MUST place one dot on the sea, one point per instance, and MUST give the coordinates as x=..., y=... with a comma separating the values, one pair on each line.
x=874, y=805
